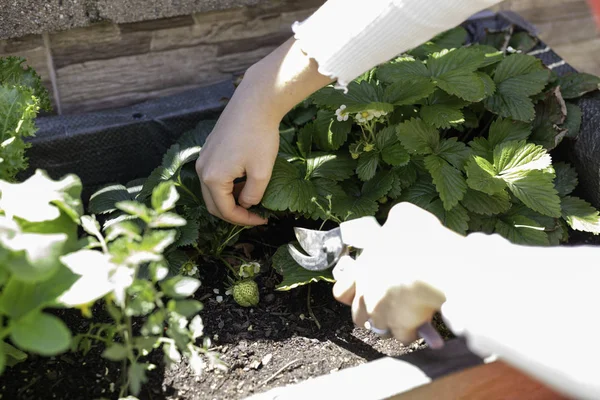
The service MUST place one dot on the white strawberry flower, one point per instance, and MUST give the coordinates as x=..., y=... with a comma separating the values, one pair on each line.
x=255, y=267
x=341, y=115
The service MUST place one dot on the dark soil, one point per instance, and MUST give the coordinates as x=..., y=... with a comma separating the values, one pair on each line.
x=274, y=344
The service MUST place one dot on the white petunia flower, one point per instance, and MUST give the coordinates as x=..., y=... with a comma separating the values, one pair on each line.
x=341, y=115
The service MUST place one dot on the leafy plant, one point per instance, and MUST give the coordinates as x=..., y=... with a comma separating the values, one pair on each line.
x=462, y=131
x=171, y=320
x=22, y=96
x=38, y=227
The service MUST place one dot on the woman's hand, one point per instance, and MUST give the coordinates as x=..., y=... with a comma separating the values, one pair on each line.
x=245, y=141
x=401, y=278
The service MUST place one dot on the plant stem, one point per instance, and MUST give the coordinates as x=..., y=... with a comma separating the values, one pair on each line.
x=5, y=332
x=188, y=191
x=310, y=311
x=95, y=337
x=228, y=266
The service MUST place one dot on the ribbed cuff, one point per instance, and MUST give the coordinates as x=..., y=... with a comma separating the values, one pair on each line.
x=349, y=37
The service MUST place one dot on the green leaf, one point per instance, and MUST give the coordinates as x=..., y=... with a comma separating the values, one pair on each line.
x=517, y=77
x=330, y=134
x=566, y=178
x=180, y=286
x=523, y=41
x=519, y=156
x=521, y=230
x=103, y=201
x=45, y=198
x=367, y=165
x=455, y=152
x=448, y=181
x=408, y=92
x=41, y=333
x=573, y=121
x=536, y=190
x=137, y=377
x=453, y=72
x=336, y=167
x=167, y=220
x=19, y=298
x=576, y=85
x=395, y=155
x=164, y=197
x=188, y=234
x=13, y=356
x=129, y=229
x=404, y=69
x=364, y=202
x=91, y=225
x=92, y=270
x=136, y=209
x=116, y=352
x=580, y=215
x=456, y=219
x=482, y=176
x=482, y=203
x=187, y=308
x=417, y=137
x=359, y=95
x=481, y=147
x=173, y=160
x=422, y=193
x=550, y=112
x=288, y=189
x=14, y=73
x=506, y=130
x=34, y=257
x=441, y=115
x=293, y=274
x=305, y=139
x=489, y=86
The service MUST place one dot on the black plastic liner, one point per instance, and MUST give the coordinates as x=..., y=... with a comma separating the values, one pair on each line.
x=127, y=143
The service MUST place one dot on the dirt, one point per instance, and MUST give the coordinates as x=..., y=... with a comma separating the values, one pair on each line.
x=272, y=345
x=268, y=346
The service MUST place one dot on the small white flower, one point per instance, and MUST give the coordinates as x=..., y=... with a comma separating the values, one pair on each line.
x=216, y=291
x=341, y=115
x=364, y=116
x=256, y=267
x=219, y=299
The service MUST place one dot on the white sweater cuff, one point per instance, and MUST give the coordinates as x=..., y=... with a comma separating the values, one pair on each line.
x=349, y=37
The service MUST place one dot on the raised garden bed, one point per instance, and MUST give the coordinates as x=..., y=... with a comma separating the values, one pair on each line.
x=290, y=336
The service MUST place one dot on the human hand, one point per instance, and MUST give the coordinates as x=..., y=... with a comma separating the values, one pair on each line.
x=401, y=278
x=245, y=140
x=244, y=143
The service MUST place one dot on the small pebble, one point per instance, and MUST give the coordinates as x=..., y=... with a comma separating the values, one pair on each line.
x=267, y=359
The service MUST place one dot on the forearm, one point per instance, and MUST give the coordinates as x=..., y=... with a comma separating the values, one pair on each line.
x=283, y=79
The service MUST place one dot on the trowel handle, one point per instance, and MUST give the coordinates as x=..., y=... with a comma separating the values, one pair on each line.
x=431, y=336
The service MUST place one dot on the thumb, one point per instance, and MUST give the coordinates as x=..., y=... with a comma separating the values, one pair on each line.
x=345, y=275
x=254, y=188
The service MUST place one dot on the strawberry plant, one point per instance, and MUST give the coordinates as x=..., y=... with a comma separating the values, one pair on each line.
x=462, y=131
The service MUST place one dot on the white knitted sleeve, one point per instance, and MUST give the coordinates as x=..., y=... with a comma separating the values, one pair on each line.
x=349, y=37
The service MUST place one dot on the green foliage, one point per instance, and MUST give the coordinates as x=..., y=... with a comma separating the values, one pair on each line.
x=462, y=131
x=22, y=96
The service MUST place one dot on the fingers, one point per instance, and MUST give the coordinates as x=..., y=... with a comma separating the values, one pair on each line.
x=254, y=189
x=221, y=203
x=344, y=288
x=218, y=194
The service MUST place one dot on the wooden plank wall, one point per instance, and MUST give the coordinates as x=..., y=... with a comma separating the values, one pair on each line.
x=110, y=65
x=567, y=26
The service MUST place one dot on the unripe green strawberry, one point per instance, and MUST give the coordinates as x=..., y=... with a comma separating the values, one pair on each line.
x=245, y=293
x=369, y=147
